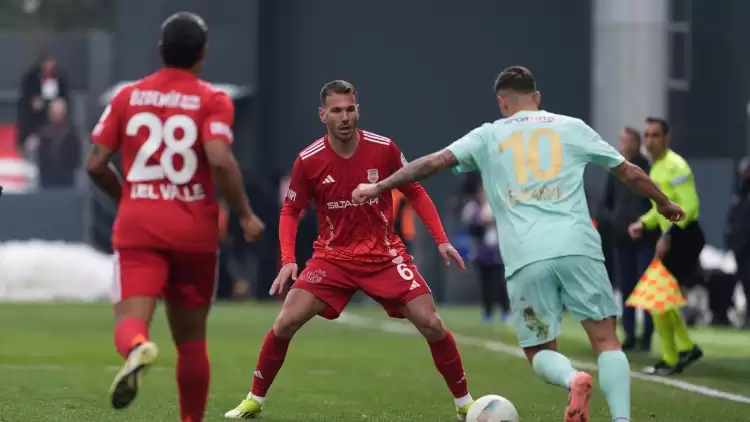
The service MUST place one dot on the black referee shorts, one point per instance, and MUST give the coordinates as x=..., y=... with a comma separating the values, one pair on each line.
x=682, y=260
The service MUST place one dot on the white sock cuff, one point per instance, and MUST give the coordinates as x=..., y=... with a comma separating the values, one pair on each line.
x=569, y=379
x=463, y=401
x=259, y=399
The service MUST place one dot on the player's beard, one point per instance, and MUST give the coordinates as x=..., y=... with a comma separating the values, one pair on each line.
x=345, y=132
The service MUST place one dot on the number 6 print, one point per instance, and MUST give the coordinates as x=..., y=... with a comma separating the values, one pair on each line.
x=405, y=272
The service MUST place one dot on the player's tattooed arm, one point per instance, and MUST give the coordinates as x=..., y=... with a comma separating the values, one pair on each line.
x=635, y=178
x=419, y=169
x=103, y=173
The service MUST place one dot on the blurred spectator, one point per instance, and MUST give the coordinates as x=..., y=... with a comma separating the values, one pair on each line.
x=738, y=228
x=246, y=259
x=59, y=149
x=403, y=218
x=41, y=84
x=620, y=207
x=485, y=253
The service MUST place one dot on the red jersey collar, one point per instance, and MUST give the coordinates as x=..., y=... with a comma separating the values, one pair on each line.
x=360, y=134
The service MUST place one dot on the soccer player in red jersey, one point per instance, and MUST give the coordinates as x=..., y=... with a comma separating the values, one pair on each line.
x=173, y=132
x=356, y=249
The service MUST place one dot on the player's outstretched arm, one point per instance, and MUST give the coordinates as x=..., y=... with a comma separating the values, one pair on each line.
x=638, y=180
x=228, y=177
x=101, y=171
x=418, y=169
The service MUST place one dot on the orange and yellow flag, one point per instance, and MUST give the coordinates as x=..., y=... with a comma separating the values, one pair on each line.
x=657, y=291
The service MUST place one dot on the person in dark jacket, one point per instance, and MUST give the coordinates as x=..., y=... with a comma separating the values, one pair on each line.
x=41, y=84
x=620, y=207
x=738, y=228
x=59, y=149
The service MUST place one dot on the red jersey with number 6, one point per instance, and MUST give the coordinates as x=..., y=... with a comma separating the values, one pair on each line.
x=159, y=125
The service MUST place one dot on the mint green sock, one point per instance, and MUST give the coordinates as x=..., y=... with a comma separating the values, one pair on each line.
x=614, y=380
x=554, y=368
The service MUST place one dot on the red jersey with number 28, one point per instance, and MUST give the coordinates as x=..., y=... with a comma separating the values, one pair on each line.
x=159, y=125
x=349, y=231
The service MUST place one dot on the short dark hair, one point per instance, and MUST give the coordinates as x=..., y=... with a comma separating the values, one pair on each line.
x=517, y=79
x=336, y=87
x=183, y=37
x=634, y=133
x=661, y=122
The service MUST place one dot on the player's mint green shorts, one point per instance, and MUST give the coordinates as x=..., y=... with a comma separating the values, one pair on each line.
x=541, y=291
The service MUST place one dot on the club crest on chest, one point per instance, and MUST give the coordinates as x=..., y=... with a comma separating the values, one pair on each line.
x=372, y=175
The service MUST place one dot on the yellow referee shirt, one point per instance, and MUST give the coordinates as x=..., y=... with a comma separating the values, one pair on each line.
x=673, y=175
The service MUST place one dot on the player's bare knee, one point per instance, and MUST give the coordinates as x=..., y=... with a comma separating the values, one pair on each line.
x=290, y=321
x=530, y=352
x=602, y=335
x=299, y=307
x=601, y=345
x=431, y=327
x=187, y=324
x=421, y=312
x=141, y=307
x=286, y=326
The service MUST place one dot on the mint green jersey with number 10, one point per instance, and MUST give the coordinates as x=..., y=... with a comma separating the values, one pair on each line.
x=532, y=171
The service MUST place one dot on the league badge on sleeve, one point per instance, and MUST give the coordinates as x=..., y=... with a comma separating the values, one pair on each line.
x=372, y=175
x=404, y=161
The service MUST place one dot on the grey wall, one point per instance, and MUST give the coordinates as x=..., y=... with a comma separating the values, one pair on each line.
x=233, y=37
x=709, y=118
x=51, y=215
x=424, y=69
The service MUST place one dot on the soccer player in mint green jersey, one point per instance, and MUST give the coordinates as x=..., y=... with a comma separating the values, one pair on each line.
x=532, y=163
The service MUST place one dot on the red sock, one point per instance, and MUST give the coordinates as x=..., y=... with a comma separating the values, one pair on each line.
x=130, y=332
x=448, y=363
x=271, y=358
x=193, y=377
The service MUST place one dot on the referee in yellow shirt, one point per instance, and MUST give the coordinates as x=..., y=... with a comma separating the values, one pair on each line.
x=679, y=246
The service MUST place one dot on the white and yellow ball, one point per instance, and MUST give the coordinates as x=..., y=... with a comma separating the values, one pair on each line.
x=492, y=409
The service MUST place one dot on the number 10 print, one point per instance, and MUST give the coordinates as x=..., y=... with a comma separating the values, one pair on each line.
x=526, y=160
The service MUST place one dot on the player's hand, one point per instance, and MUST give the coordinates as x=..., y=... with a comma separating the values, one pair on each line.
x=365, y=191
x=252, y=227
x=449, y=253
x=279, y=284
x=635, y=230
x=671, y=211
x=662, y=247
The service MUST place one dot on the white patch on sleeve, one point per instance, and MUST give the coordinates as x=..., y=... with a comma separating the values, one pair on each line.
x=404, y=161
x=679, y=180
x=221, y=129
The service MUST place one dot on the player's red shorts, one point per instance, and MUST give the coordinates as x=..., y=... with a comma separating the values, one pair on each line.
x=391, y=285
x=187, y=279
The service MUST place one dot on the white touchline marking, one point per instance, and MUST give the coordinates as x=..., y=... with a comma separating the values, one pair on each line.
x=496, y=346
x=49, y=367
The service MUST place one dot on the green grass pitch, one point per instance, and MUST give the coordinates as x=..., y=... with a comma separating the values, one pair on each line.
x=57, y=361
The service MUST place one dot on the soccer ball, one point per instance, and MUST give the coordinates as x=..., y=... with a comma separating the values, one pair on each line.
x=492, y=409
